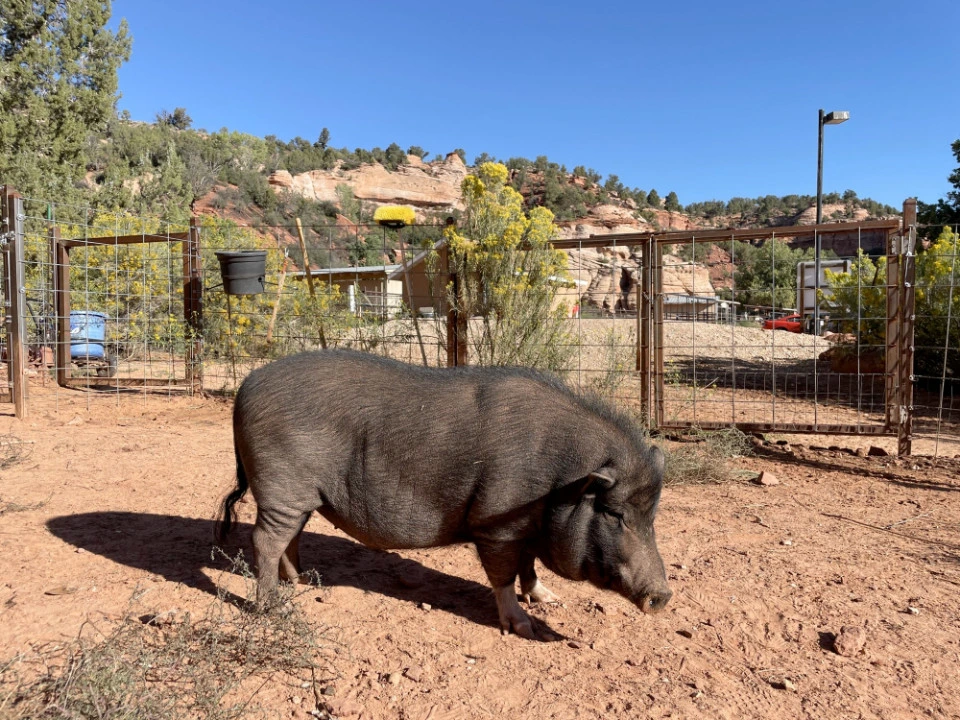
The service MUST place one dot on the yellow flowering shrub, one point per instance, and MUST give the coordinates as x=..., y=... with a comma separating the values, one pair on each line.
x=510, y=274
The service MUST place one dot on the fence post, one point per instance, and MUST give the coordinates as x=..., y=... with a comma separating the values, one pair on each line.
x=907, y=321
x=306, y=259
x=193, y=307
x=61, y=305
x=891, y=392
x=644, y=306
x=11, y=217
x=456, y=324
x=5, y=235
x=657, y=334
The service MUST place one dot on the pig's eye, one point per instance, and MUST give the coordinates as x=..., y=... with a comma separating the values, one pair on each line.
x=613, y=514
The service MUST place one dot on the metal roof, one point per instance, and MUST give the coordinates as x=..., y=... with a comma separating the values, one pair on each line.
x=365, y=270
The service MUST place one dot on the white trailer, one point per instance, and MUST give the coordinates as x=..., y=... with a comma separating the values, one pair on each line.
x=807, y=282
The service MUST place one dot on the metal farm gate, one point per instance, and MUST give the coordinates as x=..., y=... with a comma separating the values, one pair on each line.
x=720, y=368
x=115, y=305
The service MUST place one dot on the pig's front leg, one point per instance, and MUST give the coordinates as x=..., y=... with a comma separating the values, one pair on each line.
x=501, y=561
x=531, y=589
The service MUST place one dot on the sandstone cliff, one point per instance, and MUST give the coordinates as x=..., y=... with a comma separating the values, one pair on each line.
x=434, y=187
x=424, y=186
x=607, y=278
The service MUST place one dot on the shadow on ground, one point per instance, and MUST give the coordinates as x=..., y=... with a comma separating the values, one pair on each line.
x=897, y=476
x=180, y=549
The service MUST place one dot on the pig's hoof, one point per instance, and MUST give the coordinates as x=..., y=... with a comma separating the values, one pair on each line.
x=521, y=626
x=540, y=594
x=302, y=579
x=512, y=616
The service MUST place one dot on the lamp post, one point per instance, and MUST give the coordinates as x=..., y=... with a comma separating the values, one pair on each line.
x=834, y=117
x=831, y=118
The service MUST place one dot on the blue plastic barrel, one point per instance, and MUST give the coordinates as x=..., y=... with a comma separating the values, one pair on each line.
x=88, y=331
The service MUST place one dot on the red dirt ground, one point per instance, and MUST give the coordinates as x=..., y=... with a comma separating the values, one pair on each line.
x=111, y=510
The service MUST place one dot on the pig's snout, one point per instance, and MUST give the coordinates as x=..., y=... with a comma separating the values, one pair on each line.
x=655, y=601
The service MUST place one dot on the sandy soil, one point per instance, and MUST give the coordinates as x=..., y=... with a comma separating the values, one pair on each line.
x=110, y=511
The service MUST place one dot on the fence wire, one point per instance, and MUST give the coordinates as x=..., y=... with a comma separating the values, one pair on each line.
x=732, y=342
x=751, y=355
x=937, y=340
x=121, y=323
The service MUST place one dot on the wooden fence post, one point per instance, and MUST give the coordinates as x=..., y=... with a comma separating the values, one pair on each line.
x=193, y=307
x=456, y=322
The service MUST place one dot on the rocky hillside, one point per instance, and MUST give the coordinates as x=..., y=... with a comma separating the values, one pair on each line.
x=608, y=276
x=433, y=188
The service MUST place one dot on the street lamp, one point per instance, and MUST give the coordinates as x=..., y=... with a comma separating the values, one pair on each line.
x=831, y=118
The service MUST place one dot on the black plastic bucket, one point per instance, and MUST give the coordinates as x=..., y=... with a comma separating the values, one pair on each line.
x=243, y=271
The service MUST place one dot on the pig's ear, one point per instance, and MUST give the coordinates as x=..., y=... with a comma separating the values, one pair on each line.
x=599, y=480
x=658, y=461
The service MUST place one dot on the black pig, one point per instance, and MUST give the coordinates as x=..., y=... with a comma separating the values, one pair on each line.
x=407, y=457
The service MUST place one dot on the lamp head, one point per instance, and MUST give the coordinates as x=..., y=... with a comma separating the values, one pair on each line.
x=836, y=117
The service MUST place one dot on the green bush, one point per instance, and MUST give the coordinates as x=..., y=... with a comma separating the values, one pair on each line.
x=861, y=293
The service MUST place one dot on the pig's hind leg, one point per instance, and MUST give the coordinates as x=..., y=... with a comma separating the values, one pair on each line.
x=290, y=568
x=275, y=549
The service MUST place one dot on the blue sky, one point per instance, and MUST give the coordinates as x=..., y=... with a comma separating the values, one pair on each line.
x=709, y=99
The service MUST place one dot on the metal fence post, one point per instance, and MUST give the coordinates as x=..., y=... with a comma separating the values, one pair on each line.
x=14, y=295
x=193, y=307
x=644, y=314
x=61, y=304
x=907, y=322
x=657, y=334
x=891, y=392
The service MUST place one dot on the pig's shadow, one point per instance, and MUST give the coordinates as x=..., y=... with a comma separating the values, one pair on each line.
x=179, y=549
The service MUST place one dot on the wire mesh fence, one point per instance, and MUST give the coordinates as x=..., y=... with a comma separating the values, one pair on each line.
x=708, y=329
x=936, y=339
x=104, y=299
x=772, y=354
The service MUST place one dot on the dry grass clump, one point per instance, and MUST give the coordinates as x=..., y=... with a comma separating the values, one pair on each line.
x=171, y=665
x=12, y=451
x=9, y=506
x=701, y=459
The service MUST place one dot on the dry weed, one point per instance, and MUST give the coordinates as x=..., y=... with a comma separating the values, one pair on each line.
x=702, y=459
x=171, y=665
x=12, y=451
